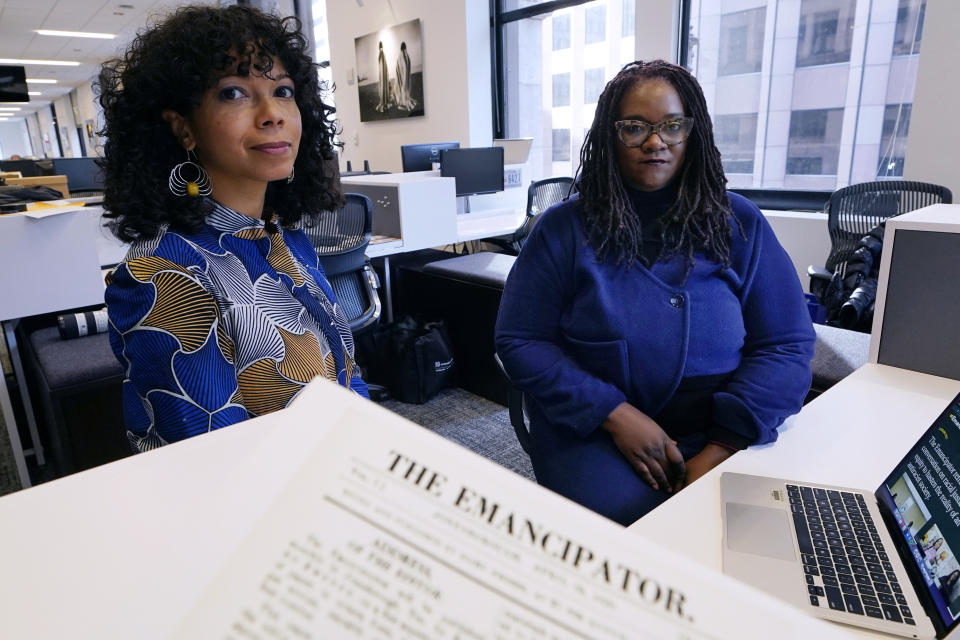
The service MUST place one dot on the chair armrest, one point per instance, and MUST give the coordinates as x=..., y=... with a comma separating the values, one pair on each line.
x=515, y=405
x=818, y=273
x=506, y=246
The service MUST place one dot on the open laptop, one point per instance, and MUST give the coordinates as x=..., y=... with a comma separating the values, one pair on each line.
x=887, y=561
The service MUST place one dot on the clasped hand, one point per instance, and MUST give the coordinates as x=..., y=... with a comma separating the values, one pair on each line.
x=652, y=453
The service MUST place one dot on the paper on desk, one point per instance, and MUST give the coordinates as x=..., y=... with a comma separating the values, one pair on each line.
x=388, y=530
x=38, y=210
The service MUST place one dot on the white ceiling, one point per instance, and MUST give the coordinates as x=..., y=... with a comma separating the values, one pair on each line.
x=19, y=20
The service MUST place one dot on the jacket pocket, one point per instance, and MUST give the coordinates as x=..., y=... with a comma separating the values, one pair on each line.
x=605, y=359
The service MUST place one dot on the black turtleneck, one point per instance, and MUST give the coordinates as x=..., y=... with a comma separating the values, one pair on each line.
x=649, y=207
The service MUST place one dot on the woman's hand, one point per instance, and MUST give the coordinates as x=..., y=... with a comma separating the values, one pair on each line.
x=711, y=456
x=646, y=447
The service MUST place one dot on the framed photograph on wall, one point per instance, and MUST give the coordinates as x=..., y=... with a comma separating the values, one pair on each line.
x=390, y=72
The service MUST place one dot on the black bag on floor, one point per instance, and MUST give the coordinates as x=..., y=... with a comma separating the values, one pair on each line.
x=413, y=360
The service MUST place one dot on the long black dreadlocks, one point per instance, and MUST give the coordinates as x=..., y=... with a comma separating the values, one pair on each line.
x=698, y=220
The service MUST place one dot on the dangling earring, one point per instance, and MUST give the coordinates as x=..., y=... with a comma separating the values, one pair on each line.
x=199, y=185
x=290, y=177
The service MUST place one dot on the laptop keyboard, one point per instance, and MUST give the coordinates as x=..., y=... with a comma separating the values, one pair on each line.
x=844, y=562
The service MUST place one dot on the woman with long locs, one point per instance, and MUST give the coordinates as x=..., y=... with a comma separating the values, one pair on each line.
x=652, y=320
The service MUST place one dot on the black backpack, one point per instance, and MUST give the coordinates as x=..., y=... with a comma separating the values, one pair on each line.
x=413, y=360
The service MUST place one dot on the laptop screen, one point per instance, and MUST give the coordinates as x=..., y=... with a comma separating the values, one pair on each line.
x=923, y=494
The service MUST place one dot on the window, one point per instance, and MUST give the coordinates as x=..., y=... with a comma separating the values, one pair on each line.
x=595, y=24
x=741, y=41
x=593, y=84
x=809, y=125
x=814, y=147
x=561, y=32
x=800, y=101
x=825, y=34
x=909, y=29
x=322, y=54
x=561, y=145
x=512, y=5
x=893, y=140
x=561, y=89
x=628, y=20
x=550, y=94
x=736, y=135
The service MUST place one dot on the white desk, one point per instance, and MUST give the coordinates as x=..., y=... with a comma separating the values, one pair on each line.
x=488, y=223
x=127, y=549
x=853, y=435
x=420, y=208
x=49, y=264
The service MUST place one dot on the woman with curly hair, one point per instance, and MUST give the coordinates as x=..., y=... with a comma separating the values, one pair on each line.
x=218, y=145
x=653, y=321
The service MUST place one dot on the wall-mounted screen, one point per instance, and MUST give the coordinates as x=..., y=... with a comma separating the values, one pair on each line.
x=13, y=84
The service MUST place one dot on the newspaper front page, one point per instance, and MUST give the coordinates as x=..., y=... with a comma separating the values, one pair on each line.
x=389, y=531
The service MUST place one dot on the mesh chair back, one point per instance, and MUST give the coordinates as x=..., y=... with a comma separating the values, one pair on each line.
x=359, y=302
x=341, y=238
x=540, y=196
x=341, y=231
x=853, y=211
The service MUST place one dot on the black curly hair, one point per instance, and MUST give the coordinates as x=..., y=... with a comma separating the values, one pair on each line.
x=699, y=218
x=170, y=66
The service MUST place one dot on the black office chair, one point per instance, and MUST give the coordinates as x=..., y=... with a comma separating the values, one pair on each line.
x=855, y=210
x=540, y=196
x=341, y=238
x=515, y=406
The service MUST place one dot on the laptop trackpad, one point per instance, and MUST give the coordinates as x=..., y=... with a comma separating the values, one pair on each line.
x=759, y=530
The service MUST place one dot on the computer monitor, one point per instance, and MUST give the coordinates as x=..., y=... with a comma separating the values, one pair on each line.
x=27, y=168
x=420, y=157
x=13, y=84
x=477, y=169
x=83, y=174
x=920, y=303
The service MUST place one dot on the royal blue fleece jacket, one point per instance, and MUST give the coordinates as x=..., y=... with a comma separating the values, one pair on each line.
x=580, y=335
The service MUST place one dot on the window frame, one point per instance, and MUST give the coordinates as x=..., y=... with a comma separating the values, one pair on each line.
x=775, y=199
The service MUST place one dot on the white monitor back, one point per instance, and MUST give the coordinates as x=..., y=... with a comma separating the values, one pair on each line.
x=515, y=150
x=916, y=323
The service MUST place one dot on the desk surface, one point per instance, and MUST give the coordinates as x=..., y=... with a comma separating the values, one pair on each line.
x=134, y=525
x=851, y=436
x=488, y=223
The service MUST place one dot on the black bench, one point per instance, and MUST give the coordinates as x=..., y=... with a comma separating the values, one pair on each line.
x=466, y=292
x=76, y=389
x=837, y=353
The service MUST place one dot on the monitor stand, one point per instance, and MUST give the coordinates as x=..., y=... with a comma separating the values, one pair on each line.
x=463, y=204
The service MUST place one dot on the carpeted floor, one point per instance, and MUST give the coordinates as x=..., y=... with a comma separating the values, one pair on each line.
x=474, y=422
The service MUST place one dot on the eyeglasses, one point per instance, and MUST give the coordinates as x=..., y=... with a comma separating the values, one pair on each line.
x=634, y=133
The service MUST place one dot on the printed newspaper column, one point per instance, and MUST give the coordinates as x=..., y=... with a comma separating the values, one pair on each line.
x=389, y=531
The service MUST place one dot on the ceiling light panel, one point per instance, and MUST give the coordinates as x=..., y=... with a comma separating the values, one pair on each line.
x=52, y=63
x=76, y=34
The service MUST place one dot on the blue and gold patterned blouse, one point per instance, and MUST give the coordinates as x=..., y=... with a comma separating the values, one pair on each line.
x=222, y=325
